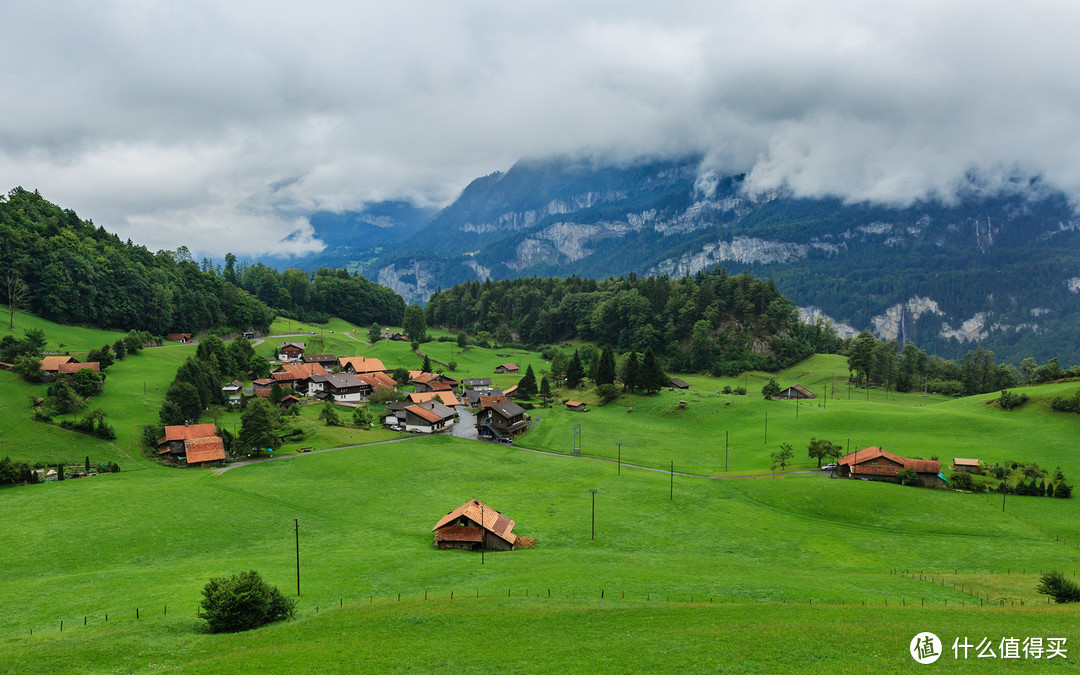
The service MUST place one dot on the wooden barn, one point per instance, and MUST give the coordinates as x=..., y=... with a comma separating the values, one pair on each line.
x=474, y=526
x=795, y=392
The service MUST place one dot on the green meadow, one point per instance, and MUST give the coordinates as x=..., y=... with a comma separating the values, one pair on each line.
x=793, y=572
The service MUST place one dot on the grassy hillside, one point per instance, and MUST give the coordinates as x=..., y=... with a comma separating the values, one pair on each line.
x=770, y=573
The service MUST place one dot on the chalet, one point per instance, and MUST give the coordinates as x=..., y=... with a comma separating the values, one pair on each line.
x=359, y=364
x=476, y=383
x=428, y=418
x=261, y=387
x=291, y=351
x=51, y=364
x=577, y=406
x=172, y=443
x=502, y=421
x=327, y=361
x=386, y=334
x=289, y=401
x=794, y=392
x=964, y=464
x=873, y=463
x=506, y=369
x=475, y=526
x=339, y=387
x=679, y=384
x=512, y=392
x=297, y=375
x=488, y=401
x=473, y=396
x=447, y=397
x=204, y=450
x=377, y=379
x=233, y=392
x=179, y=337
x=395, y=413
x=433, y=382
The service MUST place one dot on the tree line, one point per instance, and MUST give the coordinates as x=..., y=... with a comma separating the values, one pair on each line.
x=63, y=268
x=711, y=322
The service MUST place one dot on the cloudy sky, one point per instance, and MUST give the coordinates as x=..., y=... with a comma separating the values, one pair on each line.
x=220, y=125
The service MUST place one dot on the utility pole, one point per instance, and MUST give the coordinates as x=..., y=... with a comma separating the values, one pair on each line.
x=672, y=494
x=297, y=522
x=766, y=427
x=725, y=448
x=483, y=534
x=619, y=443
x=593, y=491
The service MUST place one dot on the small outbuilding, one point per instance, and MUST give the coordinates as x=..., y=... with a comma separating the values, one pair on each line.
x=475, y=526
x=795, y=392
x=579, y=406
x=679, y=383
x=965, y=464
x=507, y=368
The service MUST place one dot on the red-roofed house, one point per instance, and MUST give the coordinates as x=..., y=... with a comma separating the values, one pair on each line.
x=359, y=364
x=179, y=337
x=577, y=405
x=474, y=526
x=507, y=368
x=446, y=397
x=873, y=463
x=427, y=418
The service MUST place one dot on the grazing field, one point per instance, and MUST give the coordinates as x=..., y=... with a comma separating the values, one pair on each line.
x=794, y=572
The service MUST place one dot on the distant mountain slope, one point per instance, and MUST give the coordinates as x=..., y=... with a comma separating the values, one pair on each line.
x=1003, y=271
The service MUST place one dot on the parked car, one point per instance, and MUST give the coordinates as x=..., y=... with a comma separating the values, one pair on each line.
x=832, y=466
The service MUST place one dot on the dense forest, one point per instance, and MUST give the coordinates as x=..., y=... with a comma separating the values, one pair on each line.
x=60, y=267
x=710, y=322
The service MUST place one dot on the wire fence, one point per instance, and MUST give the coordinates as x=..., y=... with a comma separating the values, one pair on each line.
x=959, y=581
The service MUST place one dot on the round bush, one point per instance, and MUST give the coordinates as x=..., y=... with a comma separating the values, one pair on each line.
x=242, y=602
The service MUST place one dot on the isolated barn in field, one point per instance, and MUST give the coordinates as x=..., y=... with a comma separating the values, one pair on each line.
x=474, y=526
x=507, y=368
x=873, y=463
x=679, y=383
x=795, y=391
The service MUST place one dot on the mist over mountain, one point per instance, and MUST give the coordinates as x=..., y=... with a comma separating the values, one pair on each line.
x=996, y=265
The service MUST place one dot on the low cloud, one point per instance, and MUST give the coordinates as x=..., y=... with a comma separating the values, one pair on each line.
x=221, y=126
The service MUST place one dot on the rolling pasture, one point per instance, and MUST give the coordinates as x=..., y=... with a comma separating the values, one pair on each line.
x=794, y=572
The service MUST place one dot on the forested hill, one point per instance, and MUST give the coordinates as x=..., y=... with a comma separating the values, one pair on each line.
x=66, y=269
x=709, y=322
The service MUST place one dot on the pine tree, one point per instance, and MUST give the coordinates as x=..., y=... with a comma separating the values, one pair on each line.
x=374, y=333
x=545, y=389
x=652, y=376
x=574, y=371
x=605, y=369
x=527, y=385
x=426, y=368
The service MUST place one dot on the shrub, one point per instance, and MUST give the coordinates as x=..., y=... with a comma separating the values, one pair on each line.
x=726, y=389
x=908, y=477
x=1058, y=587
x=242, y=602
x=607, y=393
x=1009, y=400
x=770, y=389
x=961, y=480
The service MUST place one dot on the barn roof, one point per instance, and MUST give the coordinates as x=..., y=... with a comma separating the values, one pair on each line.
x=207, y=449
x=799, y=389
x=483, y=515
x=874, y=452
x=68, y=368
x=447, y=397
x=52, y=363
x=182, y=432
